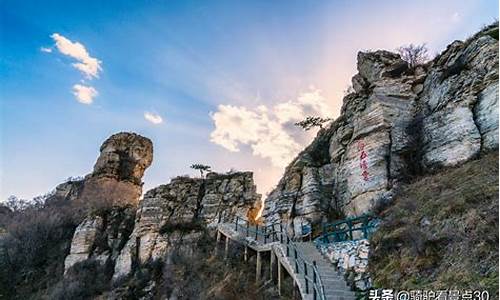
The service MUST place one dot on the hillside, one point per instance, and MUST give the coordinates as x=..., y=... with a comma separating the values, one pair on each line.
x=440, y=233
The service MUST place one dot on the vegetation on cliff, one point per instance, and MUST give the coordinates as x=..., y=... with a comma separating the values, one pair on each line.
x=441, y=232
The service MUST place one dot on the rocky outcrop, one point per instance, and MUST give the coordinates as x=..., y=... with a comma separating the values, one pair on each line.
x=124, y=157
x=111, y=192
x=460, y=94
x=101, y=236
x=117, y=175
x=118, y=172
x=173, y=214
x=398, y=122
x=122, y=235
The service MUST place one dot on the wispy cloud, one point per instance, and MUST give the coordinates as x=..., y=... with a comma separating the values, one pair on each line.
x=89, y=66
x=153, y=118
x=268, y=131
x=84, y=94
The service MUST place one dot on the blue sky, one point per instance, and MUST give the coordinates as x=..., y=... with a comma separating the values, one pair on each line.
x=227, y=78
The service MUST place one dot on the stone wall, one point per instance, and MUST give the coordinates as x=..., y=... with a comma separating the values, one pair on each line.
x=351, y=259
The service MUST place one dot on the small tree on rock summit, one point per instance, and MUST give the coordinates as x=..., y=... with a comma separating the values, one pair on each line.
x=414, y=55
x=200, y=167
x=311, y=122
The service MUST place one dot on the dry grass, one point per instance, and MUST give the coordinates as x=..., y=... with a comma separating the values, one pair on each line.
x=442, y=232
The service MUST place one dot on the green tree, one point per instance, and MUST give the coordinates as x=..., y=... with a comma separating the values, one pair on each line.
x=311, y=122
x=200, y=167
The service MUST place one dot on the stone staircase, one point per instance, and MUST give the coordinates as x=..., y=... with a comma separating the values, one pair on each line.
x=298, y=260
x=334, y=285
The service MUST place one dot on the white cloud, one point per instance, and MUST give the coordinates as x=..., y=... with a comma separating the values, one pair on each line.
x=153, y=118
x=45, y=49
x=267, y=130
x=89, y=66
x=84, y=94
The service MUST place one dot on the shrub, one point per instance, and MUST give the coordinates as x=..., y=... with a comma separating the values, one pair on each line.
x=83, y=281
x=414, y=55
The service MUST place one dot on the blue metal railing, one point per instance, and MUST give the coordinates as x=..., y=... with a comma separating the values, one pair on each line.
x=361, y=227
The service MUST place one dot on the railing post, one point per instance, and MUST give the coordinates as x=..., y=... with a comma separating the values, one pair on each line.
x=287, y=251
x=305, y=268
x=247, y=228
x=314, y=280
x=307, y=285
x=281, y=226
x=256, y=231
x=236, y=224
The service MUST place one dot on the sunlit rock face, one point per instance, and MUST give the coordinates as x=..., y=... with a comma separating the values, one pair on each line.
x=172, y=215
x=124, y=157
x=112, y=190
x=460, y=103
x=117, y=176
x=397, y=123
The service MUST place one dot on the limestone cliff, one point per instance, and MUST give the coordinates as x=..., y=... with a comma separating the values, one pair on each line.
x=116, y=183
x=172, y=213
x=399, y=122
x=125, y=235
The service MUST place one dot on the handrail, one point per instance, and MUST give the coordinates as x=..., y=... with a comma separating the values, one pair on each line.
x=340, y=233
x=301, y=264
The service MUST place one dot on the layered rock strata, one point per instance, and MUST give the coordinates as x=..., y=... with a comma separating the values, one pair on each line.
x=398, y=122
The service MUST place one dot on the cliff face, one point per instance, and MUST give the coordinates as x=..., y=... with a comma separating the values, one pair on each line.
x=124, y=237
x=113, y=189
x=398, y=123
x=175, y=213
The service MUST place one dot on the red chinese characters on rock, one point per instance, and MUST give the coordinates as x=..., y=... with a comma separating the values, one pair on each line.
x=362, y=160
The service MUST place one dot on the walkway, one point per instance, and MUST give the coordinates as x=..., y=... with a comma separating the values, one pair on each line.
x=313, y=275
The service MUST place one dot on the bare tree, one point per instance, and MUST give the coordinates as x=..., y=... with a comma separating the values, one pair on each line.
x=311, y=122
x=200, y=167
x=414, y=55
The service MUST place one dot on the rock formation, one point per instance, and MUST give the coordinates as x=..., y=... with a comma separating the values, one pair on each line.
x=114, y=183
x=171, y=214
x=397, y=123
x=117, y=175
